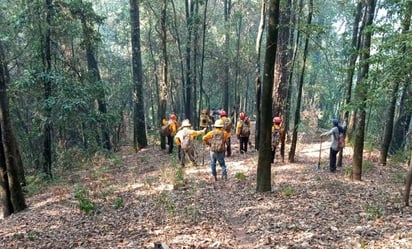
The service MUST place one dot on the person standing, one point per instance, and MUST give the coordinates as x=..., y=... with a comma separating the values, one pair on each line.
x=204, y=120
x=334, y=133
x=173, y=125
x=243, y=132
x=227, y=126
x=276, y=135
x=184, y=141
x=216, y=140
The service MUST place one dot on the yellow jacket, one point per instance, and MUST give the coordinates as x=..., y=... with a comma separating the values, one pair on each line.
x=173, y=125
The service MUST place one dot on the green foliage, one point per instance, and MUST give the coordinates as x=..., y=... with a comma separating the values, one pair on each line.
x=240, y=176
x=72, y=158
x=150, y=180
x=348, y=171
x=401, y=156
x=32, y=235
x=36, y=183
x=166, y=203
x=178, y=175
x=287, y=191
x=85, y=204
x=118, y=203
x=367, y=166
x=373, y=212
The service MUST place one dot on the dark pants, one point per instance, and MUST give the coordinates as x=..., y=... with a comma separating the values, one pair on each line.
x=181, y=153
x=332, y=160
x=170, y=143
x=273, y=153
x=243, y=141
x=228, y=147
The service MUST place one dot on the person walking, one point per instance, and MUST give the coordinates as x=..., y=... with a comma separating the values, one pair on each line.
x=243, y=132
x=216, y=140
x=227, y=126
x=184, y=141
x=334, y=133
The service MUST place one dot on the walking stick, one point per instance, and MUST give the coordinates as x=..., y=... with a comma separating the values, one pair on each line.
x=203, y=154
x=320, y=152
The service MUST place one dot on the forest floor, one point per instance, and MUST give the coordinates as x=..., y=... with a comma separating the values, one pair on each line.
x=144, y=200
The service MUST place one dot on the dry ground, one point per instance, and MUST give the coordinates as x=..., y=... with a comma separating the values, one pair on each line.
x=137, y=206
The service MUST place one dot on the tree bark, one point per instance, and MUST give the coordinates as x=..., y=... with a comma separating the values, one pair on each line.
x=353, y=56
x=189, y=76
x=390, y=116
x=265, y=151
x=139, y=136
x=227, y=12
x=258, y=82
x=361, y=93
x=282, y=69
x=10, y=161
x=48, y=127
x=408, y=179
x=300, y=88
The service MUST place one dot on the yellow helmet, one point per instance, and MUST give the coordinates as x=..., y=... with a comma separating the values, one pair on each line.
x=219, y=123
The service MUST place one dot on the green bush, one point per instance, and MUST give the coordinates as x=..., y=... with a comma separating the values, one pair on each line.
x=373, y=212
x=85, y=204
x=240, y=176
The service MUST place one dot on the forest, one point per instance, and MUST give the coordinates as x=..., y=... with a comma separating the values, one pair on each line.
x=85, y=85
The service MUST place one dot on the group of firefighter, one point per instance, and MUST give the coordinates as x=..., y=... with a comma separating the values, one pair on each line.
x=215, y=127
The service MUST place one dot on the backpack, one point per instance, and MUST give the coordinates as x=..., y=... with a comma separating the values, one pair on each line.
x=165, y=130
x=227, y=124
x=217, y=142
x=203, y=121
x=187, y=142
x=244, y=129
x=275, y=138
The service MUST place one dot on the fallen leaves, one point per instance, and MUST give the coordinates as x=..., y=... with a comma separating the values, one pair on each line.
x=306, y=209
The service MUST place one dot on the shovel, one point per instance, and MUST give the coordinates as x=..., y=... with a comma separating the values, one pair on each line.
x=320, y=152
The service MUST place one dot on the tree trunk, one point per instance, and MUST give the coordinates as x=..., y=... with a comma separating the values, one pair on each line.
x=227, y=10
x=164, y=69
x=265, y=152
x=361, y=93
x=47, y=129
x=288, y=111
x=258, y=83
x=89, y=38
x=389, y=120
x=353, y=56
x=282, y=70
x=202, y=60
x=403, y=122
x=195, y=46
x=10, y=161
x=139, y=136
x=188, y=102
x=408, y=180
x=300, y=88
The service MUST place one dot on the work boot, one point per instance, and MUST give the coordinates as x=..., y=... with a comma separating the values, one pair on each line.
x=215, y=177
x=224, y=177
